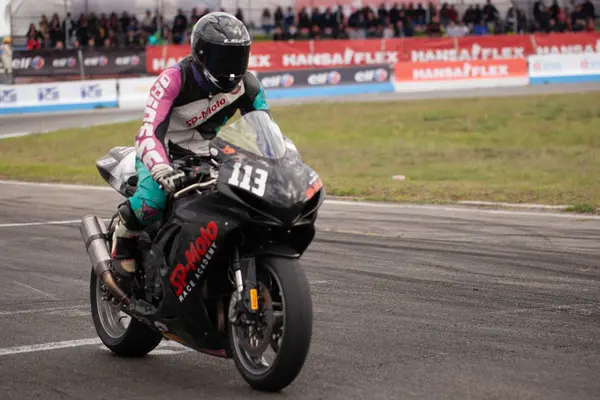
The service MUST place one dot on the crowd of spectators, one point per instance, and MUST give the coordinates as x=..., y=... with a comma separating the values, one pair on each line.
x=126, y=30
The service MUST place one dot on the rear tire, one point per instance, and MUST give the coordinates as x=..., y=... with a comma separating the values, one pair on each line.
x=135, y=340
x=297, y=327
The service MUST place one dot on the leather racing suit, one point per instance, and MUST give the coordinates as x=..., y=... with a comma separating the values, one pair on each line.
x=183, y=113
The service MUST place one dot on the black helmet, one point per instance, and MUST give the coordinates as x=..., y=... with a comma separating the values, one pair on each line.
x=221, y=47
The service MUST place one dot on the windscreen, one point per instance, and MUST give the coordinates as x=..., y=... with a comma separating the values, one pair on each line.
x=256, y=133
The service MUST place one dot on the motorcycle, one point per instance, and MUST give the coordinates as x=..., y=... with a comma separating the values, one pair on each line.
x=220, y=273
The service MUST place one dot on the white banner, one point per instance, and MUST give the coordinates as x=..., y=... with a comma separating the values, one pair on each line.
x=559, y=65
x=59, y=95
x=133, y=92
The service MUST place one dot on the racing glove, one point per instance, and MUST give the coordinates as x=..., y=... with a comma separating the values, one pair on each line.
x=169, y=179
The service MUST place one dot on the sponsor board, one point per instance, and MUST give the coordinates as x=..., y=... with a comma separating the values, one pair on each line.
x=564, y=64
x=325, y=77
x=284, y=56
x=466, y=74
x=58, y=96
x=70, y=62
x=564, y=68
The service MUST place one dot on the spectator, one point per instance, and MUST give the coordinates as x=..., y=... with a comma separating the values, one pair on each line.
x=82, y=33
x=589, y=10
x=554, y=9
x=46, y=43
x=388, y=30
x=303, y=19
x=92, y=42
x=434, y=28
x=33, y=39
x=147, y=24
x=456, y=30
x=490, y=12
x=132, y=39
x=76, y=44
x=278, y=34
x=266, y=21
x=382, y=13
x=480, y=29
x=432, y=12
x=289, y=18
x=453, y=14
x=590, y=25
x=469, y=17
x=278, y=17
x=239, y=14
x=342, y=32
x=291, y=33
x=578, y=19
x=420, y=15
x=44, y=26
x=315, y=33
x=6, y=56
x=315, y=17
x=445, y=15
x=194, y=19
x=60, y=45
x=180, y=25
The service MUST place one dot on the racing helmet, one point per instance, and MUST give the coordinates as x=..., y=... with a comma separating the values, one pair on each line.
x=221, y=49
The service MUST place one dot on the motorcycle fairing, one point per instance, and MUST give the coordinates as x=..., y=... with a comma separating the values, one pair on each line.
x=117, y=168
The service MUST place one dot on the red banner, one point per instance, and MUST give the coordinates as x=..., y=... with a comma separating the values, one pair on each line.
x=460, y=70
x=567, y=43
x=277, y=56
x=425, y=49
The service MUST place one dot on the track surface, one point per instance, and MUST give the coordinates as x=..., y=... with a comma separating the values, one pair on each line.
x=22, y=124
x=410, y=302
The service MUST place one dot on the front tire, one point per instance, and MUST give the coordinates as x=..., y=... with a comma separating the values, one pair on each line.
x=293, y=345
x=132, y=340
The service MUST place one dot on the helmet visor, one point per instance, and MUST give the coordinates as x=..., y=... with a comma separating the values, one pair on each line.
x=224, y=61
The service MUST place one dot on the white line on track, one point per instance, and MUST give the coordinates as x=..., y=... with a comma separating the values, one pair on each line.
x=167, y=347
x=348, y=203
x=18, y=224
x=51, y=296
x=64, y=222
x=48, y=346
x=43, y=310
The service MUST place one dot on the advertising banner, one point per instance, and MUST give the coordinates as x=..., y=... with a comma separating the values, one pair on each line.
x=567, y=43
x=58, y=96
x=454, y=75
x=325, y=77
x=564, y=68
x=69, y=62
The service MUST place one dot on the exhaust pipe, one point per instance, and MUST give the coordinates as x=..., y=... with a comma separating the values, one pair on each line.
x=94, y=234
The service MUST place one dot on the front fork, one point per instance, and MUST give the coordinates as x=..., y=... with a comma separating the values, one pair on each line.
x=246, y=292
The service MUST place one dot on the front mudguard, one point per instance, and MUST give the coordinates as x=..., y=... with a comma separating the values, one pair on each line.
x=278, y=250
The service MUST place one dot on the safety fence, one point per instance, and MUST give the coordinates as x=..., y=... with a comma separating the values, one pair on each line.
x=401, y=77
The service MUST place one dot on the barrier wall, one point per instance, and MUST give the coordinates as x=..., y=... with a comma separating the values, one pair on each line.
x=404, y=77
x=59, y=96
x=564, y=69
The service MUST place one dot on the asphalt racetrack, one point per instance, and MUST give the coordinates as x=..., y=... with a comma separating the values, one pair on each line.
x=410, y=303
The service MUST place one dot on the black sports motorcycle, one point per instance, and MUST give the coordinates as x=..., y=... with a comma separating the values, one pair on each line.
x=220, y=273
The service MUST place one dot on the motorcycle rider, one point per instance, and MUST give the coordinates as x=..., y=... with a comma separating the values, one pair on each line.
x=187, y=106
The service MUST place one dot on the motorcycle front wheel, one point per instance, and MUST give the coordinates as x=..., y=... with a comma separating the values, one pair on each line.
x=271, y=354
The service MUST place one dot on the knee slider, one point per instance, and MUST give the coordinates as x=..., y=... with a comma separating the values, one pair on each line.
x=129, y=218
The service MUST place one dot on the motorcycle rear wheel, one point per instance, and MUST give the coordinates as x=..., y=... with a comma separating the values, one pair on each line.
x=289, y=291
x=133, y=339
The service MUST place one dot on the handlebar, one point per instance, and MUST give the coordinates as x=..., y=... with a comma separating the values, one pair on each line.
x=195, y=186
x=197, y=169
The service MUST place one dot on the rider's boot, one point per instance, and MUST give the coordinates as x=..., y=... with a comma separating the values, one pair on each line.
x=125, y=250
